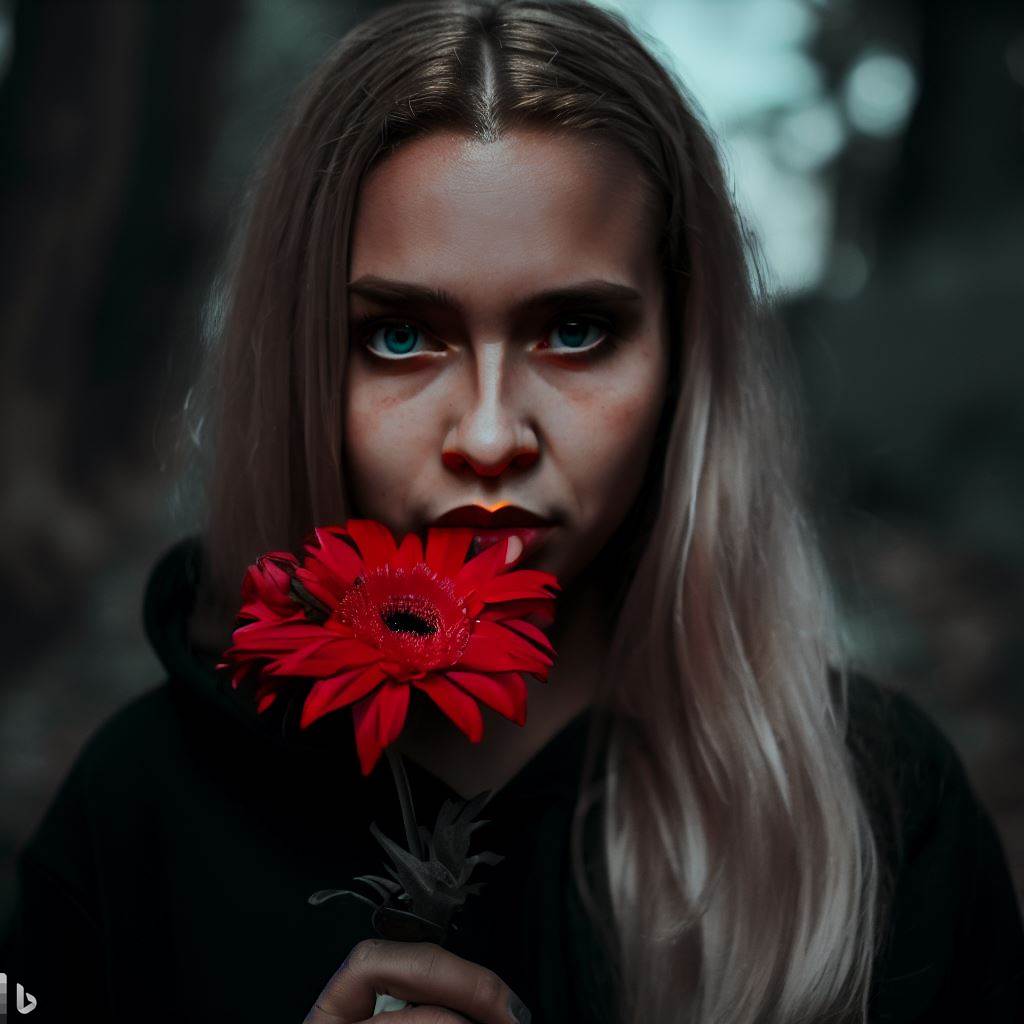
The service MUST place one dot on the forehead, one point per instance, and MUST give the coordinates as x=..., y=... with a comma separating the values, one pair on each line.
x=528, y=211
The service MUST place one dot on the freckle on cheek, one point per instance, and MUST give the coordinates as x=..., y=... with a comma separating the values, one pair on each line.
x=384, y=401
x=624, y=416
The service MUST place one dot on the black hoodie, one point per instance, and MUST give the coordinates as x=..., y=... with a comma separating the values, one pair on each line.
x=169, y=878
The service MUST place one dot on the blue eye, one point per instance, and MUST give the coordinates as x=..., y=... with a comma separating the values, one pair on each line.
x=399, y=339
x=574, y=333
x=589, y=336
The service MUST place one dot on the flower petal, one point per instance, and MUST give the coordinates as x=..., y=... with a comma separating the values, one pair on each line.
x=480, y=569
x=324, y=659
x=320, y=582
x=518, y=584
x=447, y=547
x=374, y=540
x=268, y=638
x=492, y=648
x=394, y=703
x=462, y=709
x=288, y=664
x=295, y=628
x=331, y=556
x=531, y=632
x=505, y=692
x=365, y=716
x=410, y=552
x=265, y=586
x=327, y=695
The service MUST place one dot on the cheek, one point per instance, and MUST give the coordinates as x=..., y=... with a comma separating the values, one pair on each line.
x=627, y=433
x=374, y=430
x=368, y=411
x=622, y=414
x=616, y=430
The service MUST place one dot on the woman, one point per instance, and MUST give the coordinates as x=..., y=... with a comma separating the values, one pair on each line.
x=492, y=259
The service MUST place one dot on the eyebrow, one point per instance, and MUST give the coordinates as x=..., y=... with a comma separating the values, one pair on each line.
x=383, y=290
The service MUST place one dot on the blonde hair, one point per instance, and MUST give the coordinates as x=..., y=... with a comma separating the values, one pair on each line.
x=728, y=790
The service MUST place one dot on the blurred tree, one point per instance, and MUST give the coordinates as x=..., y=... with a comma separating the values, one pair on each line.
x=108, y=113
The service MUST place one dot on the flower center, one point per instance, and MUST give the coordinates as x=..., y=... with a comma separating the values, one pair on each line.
x=406, y=615
x=411, y=615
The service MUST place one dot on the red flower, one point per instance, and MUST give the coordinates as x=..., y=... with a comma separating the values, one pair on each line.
x=369, y=619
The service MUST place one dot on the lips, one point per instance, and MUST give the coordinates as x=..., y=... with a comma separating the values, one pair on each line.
x=491, y=526
x=491, y=519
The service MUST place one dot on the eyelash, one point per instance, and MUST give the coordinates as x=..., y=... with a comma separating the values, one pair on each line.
x=364, y=327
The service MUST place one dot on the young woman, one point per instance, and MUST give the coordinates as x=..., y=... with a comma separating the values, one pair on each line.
x=491, y=260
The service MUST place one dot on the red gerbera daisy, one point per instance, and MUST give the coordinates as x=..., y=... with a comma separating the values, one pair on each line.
x=369, y=619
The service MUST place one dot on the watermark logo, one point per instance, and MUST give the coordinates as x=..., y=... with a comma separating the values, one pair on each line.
x=24, y=1001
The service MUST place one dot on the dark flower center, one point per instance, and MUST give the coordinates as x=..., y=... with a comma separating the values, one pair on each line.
x=399, y=620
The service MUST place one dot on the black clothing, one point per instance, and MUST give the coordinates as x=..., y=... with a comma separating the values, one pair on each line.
x=168, y=880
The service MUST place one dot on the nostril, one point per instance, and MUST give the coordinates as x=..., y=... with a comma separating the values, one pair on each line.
x=524, y=460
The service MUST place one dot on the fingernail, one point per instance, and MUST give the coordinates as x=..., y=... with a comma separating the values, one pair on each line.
x=519, y=1012
x=513, y=549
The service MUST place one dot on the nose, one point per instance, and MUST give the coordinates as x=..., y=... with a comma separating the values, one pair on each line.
x=490, y=436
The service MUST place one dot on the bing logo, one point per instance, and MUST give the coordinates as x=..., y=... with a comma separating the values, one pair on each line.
x=25, y=1001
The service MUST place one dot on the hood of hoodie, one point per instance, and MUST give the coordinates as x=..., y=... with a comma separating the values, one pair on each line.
x=170, y=598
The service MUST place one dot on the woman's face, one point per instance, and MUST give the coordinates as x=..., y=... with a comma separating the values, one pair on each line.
x=502, y=395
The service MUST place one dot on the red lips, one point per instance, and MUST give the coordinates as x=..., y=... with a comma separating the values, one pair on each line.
x=499, y=524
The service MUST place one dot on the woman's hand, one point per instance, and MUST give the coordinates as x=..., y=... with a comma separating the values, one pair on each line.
x=445, y=988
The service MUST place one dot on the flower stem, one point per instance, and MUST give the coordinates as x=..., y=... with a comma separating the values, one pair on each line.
x=405, y=799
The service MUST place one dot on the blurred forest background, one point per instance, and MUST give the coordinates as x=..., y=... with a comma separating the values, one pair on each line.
x=878, y=149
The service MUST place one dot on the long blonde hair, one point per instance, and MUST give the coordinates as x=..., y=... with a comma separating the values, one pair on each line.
x=728, y=788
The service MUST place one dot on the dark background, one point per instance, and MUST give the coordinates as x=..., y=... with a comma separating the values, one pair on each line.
x=128, y=129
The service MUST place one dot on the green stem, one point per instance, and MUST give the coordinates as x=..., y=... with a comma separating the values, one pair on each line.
x=405, y=799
